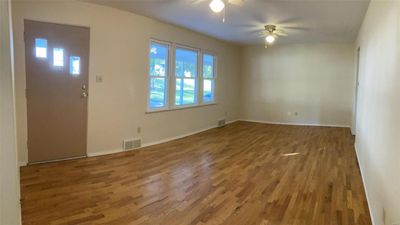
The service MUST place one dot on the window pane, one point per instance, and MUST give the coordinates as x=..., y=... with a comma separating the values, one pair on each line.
x=58, y=57
x=185, y=63
x=185, y=91
x=41, y=48
x=208, y=66
x=158, y=59
x=208, y=90
x=74, y=65
x=157, y=92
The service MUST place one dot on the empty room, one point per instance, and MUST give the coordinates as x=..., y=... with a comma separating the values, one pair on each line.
x=200, y=112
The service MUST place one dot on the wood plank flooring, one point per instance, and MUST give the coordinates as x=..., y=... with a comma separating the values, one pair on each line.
x=242, y=174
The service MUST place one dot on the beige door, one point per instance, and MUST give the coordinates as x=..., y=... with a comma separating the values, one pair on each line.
x=57, y=60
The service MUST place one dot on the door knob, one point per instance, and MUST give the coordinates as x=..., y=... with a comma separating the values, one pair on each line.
x=84, y=94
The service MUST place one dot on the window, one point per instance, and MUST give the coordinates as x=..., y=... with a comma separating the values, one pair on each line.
x=185, y=77
x=58, y=57
x=208, y=78
x=179, y=76
x=158, y=75
x=74, y=65
x=40, y=48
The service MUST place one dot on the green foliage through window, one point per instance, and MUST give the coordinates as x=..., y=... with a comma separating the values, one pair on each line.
x=186, y=72
x=158, y=71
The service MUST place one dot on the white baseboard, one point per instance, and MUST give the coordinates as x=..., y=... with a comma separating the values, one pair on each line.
x=105, y=152
x=112, y=151
x=365, y=186
x=58, y=160
x=22, y=163
x=176, y=137
x=184, y=135
x=296, y=124
x=118, y=150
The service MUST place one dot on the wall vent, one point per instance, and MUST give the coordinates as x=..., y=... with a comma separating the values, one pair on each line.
x=132, y=144
x=221, y=123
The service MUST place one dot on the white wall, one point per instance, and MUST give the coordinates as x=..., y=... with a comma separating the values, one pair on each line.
x=378, y=119
x=314, y=80
x=9, y=175
x=119, y=52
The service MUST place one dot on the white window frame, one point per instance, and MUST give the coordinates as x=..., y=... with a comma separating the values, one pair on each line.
x=214, y=78
x=196, y=79
x=171, y=77
x=167, y=76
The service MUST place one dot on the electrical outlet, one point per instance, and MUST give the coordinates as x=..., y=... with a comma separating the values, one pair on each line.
x=99, y=79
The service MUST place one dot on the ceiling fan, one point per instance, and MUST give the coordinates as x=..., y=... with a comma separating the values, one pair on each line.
x=271, y=33
x=218, y=6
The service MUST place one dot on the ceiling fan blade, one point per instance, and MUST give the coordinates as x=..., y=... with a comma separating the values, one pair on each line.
x=236, y=2
x=279, y=33
x=197, y=1
x=258, y=34
x=296, y=28
x=289, y=21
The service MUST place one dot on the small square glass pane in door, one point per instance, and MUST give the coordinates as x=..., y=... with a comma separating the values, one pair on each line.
x=58, y=57
x=40, y=48
x=74, y=65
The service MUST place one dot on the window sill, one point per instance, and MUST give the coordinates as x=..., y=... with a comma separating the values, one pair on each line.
x=180, y=108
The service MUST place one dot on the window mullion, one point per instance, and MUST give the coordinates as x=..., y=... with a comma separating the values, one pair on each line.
x=181, y=91
x=172, y=87
x=200, y=79
x=214, y=78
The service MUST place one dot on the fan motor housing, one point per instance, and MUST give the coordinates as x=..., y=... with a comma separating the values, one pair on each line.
x=270, y=28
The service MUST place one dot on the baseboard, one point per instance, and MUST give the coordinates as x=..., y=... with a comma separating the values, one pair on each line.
x=58, y=160
x=184, y=135
x=365, y=186
x=296, y=124
x=112, y=151
x=232, y=121
x=22, y=163
x=105, y=152
x=118, y=150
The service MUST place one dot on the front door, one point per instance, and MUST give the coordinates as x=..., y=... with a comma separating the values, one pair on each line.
x=57, y=61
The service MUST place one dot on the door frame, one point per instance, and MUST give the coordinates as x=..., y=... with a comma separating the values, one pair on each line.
x=88, y=96
x=356, y=90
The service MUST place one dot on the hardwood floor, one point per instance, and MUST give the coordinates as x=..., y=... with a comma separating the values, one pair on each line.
x=242, y=174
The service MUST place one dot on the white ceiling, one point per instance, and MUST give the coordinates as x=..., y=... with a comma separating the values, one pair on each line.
x=305, y=21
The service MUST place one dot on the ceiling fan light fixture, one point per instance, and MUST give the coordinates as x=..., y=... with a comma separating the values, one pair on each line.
x=217, y=6
x=270, y=39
